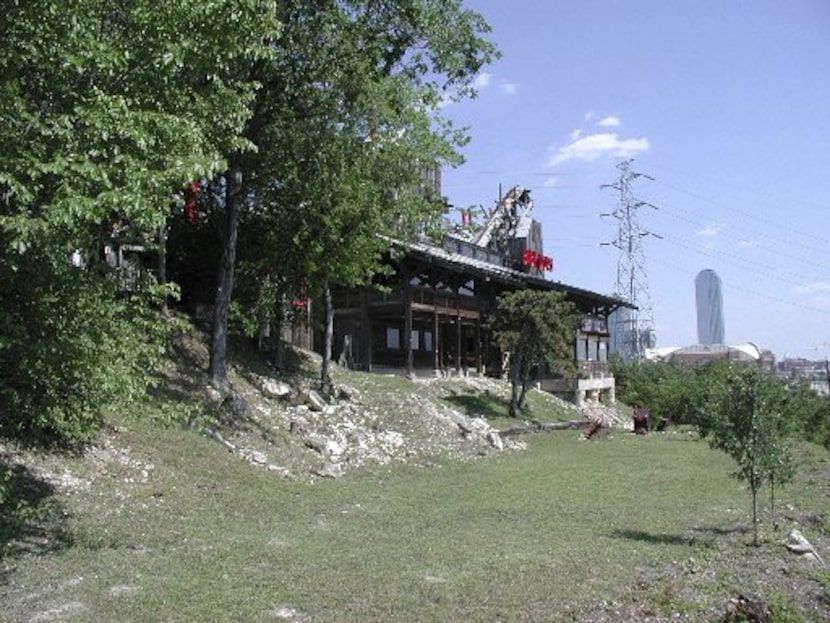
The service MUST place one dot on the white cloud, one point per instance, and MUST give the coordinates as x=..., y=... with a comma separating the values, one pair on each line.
x=610, y=121
x=551, y=181
x=712, y=229
x=509, y=88
x=575, y=135
x=593, y=146
x=482, y=80
x=589, y=116
x=748, y=244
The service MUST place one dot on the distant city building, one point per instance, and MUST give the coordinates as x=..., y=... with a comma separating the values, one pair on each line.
x=815, y=373
x=698, y=354
x=711, y=345
x=627, y=340
x=709, y=308
x=704, y=353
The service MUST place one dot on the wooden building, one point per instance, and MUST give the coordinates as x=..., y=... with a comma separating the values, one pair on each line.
x=427, y=315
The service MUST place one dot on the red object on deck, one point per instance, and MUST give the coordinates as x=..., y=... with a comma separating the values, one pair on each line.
x=191, y=195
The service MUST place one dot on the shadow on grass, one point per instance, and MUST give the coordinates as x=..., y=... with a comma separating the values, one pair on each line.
x=650, y=537
x=723, y=530
x=31, y=520
x=483, y=405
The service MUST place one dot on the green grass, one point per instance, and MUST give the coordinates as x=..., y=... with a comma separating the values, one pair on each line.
x=169, y=526
x=523, y=536
x=540, y=406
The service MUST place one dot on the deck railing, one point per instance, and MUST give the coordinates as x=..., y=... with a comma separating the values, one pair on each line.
x=593, y=369
x=441, y=299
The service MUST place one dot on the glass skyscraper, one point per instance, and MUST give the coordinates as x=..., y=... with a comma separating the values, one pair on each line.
x=709, y=308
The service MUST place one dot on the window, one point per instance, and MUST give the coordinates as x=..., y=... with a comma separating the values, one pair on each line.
x=593, y=324
x=414, y=338
x=428, y=341
x=393, y=337
x=582, y=350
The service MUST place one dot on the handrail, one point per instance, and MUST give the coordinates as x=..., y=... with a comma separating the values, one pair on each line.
x=593, y=369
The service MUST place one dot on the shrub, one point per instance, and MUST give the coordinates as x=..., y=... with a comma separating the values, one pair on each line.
x=72, y=341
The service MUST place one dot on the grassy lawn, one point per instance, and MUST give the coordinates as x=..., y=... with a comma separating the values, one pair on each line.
x=522, y=536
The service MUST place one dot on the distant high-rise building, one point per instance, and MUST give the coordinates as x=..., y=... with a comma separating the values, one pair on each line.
x=709, y=308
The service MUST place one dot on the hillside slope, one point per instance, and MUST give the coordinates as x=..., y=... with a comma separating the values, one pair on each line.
x=274, y=419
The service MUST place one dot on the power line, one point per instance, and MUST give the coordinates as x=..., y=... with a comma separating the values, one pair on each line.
x=768, y=270
x=757, y=192
x=634, y=328
x=679, y=266
x=681, y=214
x=753, y=216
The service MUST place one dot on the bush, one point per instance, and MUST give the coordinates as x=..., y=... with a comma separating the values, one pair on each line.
x=72, y=341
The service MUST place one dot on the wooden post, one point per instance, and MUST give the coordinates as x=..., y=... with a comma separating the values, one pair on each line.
x=328, y=337
x=366, y=330
x=457, y=333
x=436, y=345
x=407, y=327
x=479, y=358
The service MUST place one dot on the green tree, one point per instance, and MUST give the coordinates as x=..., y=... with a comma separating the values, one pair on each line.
x=348, y=111
x=743, y=417
x=666, y=388
x=538, y=330
x=73, y=343
x=809, y=412
x=363, y=193
x=108, y=108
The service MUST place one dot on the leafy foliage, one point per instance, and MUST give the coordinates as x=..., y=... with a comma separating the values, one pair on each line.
x=744, y=414
x=537, y=329
x=312, y=117
x=682, y=393
x=749, y=414
x=347, y=118
x=73, y=342
x=145, y=97
x=108, y=110
x=809, y=413
x=668, y=389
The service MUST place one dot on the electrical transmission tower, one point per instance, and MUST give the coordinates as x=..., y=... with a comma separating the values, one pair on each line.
x=633, y=329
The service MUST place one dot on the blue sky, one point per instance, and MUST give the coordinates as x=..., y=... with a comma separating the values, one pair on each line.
x=726, y=103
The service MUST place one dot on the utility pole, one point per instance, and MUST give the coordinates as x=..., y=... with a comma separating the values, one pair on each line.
x=633, y=329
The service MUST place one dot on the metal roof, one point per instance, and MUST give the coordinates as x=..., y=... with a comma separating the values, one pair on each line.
x=432, y=253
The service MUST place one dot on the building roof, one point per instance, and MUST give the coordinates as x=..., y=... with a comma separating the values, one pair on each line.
x=479, y=263
x=743, y=351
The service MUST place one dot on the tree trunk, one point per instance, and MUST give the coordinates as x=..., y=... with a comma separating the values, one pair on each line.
x=161, y=266
x=218, y=371
x=328, y=310
x=515, y=381
x=523, y=394
x=525, y=376
x=754, y=489
x=279, y=321
x=264, y=320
